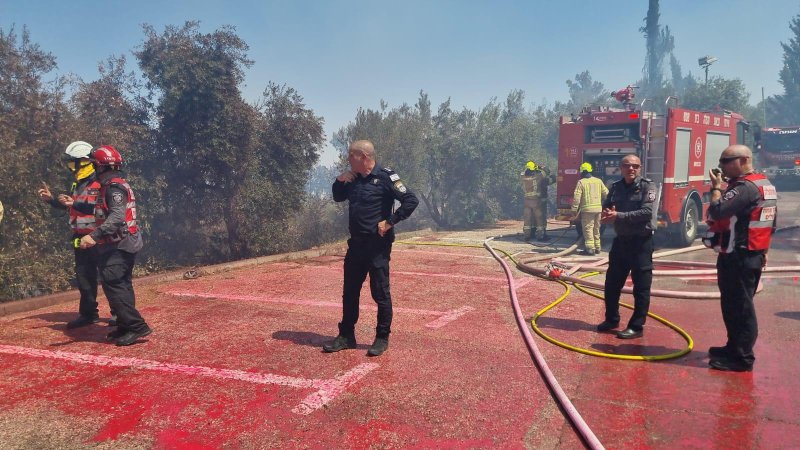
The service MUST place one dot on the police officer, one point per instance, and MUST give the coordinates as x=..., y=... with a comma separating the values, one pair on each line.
x=629, y=206
x=80, y=206
x=117, y=239
x=535, y=180
x=742, y=221
x=371, y=191
x=587, y=203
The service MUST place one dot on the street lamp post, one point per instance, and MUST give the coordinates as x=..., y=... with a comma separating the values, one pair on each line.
x=705, y=62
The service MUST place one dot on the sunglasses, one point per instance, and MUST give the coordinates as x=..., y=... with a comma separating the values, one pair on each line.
x=729, y=159
x=630, y=166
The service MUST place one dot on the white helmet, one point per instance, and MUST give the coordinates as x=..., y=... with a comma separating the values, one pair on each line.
x=79, y=150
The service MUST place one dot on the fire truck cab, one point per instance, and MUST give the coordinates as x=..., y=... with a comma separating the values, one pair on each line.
x=677, y=149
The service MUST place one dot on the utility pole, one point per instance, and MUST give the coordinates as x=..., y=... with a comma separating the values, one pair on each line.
x=705, y=62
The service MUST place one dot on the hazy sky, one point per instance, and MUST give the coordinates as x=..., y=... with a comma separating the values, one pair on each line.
x=341, y=55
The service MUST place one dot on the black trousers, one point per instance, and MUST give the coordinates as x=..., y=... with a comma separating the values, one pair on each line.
x=86, y=262
x=116, y=274
x=367, y=256
x=738, y=274
x=634, y=256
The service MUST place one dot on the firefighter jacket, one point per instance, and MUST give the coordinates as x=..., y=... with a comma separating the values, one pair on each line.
x=589, y=195
x=115, y=215
x=84, y=198
x=745, y=217
x=371, y=199
x=534, y=183
x=634, y=203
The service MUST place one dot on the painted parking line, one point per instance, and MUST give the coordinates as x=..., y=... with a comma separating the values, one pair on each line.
x=471, y=278
x=444, y=318
x=326, y=389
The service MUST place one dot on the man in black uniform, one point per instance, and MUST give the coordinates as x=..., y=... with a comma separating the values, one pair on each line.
x=629, y=206
x=371, y=191
x=742, y=244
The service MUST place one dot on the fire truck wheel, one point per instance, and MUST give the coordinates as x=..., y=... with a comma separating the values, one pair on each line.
x=685, y=232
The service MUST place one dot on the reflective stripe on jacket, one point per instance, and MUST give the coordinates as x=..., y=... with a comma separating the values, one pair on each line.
x=589, y=195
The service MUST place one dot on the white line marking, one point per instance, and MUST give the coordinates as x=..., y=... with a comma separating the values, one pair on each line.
x=326, y=389
x=418, y=274
x=449, y=316
x=445, y=316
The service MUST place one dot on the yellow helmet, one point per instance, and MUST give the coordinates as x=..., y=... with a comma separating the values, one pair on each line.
x=586, y=167
x=531, y=165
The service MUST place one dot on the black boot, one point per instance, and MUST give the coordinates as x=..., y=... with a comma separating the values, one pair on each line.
x=82, y=321
x=339, y=343
x=378, y=347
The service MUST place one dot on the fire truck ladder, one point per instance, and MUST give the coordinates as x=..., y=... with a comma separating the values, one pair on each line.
x=654, y=149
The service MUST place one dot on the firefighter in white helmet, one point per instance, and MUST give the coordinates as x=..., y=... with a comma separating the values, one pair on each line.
x=79, y=205
x=535, y=179
x=587, y=203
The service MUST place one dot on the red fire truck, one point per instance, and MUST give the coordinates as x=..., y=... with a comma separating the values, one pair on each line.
x=677, y=150
x=779, y=154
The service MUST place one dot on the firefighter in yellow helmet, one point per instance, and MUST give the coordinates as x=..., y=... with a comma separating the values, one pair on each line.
x=535, y=179
x=587, y=203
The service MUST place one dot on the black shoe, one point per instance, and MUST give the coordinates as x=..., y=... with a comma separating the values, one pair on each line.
x=718, y=352
x=378, y=347
x=82, y=321
x=116, y=334
x=339, y=343
x=728, y=365
x=586, y=253
x=607, y=326
x=630, y=333
x=132, y=336
x=543, y=239
x=112, y=322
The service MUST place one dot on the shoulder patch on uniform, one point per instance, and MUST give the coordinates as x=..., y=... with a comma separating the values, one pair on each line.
x=651, y=195
x=730, y=194
x=400, y=186
x=394, y=177
x=387, y=170
x=647, y=180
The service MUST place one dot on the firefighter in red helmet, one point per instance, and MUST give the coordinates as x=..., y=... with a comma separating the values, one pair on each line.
x=117, y=239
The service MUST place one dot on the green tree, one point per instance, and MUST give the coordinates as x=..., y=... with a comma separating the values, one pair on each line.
x=204, y=143
x=32, y=117
x=584, y=91
x=660, y=43
x=719, y=93
x=785, y=109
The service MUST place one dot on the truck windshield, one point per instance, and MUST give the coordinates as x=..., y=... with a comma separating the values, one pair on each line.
x=783, y=143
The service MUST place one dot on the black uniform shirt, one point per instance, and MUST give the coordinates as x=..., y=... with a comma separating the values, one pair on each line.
x=738, y=200
x=371, y=199
x=634, y=203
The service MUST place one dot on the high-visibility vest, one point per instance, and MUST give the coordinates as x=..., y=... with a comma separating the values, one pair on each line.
x=762, y=219
x=81, y=223
x=589, y=195
x=101, y=212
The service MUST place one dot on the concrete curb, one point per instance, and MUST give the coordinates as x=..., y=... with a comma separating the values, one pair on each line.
x=34, y=303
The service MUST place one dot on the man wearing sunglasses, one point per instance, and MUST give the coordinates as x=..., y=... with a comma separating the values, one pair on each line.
x=742, y=220
x=80, y=207
x=629, y=206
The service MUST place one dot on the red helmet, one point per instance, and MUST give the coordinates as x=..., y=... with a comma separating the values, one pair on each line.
x=106, y=155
